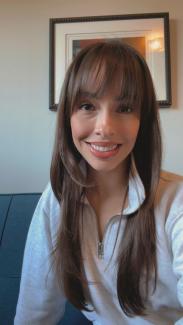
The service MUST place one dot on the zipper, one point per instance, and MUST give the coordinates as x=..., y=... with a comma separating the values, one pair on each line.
x=100, y=241
x=100, y=250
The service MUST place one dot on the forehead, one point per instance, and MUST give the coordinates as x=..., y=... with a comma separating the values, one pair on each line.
x=100, y=83
x=119, y=76
x=117, y=88
x=110, y=93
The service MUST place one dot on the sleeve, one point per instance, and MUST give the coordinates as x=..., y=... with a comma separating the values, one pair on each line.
x=175, y=234
x=41, y=300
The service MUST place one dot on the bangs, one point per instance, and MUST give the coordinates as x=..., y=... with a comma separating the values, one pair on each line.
x=106, y=67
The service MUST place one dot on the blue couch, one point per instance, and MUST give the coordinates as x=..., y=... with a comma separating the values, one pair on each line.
x=15, y=215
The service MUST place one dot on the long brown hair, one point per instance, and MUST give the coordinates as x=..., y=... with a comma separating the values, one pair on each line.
x=96, y=67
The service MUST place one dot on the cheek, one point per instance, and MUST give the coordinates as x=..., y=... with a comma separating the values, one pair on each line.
x=135, y=130
x=130, y=130
x=74, y=128
x=79, y=130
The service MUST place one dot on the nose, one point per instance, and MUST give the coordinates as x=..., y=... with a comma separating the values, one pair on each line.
x=105, y=125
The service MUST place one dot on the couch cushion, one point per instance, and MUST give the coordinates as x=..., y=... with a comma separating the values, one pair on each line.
x=5, y=201
x=15, y=232
x=15, y=215
x=9, y=288
x=73, y=316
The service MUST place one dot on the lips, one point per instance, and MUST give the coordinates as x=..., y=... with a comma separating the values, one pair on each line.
x=104, y=150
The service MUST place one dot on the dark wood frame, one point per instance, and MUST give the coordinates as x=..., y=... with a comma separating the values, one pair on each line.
x=55, y=21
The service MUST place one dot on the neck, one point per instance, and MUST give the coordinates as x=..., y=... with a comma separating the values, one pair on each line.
x=108, y=195
x=111, y=182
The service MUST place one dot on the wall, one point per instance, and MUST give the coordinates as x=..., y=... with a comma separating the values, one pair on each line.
x=26, y=124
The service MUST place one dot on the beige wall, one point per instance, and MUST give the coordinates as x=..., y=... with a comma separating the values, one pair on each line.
x=26, y=124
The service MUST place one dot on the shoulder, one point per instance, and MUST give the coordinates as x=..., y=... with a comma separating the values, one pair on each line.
x=47, y=214
x=170, y=189
x=48, y=202
x=169, y=198
x=171, y=177
x=169, y=214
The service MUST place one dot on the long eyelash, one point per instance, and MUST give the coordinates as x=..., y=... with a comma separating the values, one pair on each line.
x=85, y=105
x=126, y=108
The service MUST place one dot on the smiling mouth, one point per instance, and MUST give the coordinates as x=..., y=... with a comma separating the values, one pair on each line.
x=103, y=148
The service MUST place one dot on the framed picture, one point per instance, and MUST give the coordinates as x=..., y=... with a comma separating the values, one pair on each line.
x=148, y=33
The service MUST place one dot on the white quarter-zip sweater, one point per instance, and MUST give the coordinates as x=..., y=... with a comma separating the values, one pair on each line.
x=41, y=302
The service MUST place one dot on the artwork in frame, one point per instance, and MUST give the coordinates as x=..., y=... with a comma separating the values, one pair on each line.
x=148, y=33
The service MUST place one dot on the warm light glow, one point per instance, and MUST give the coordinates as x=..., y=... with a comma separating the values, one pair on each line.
x=156, y=44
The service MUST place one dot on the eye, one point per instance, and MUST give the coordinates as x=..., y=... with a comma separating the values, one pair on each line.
x=86, y=107
x=124, y=109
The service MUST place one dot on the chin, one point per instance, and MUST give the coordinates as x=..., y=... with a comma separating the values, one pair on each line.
x=105, y=167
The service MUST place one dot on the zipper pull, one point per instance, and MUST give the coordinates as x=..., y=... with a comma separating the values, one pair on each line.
x=100, y=250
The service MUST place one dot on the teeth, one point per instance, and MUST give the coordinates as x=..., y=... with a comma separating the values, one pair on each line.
x=104, y=148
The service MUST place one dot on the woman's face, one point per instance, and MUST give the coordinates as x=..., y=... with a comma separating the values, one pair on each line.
x=104, y=130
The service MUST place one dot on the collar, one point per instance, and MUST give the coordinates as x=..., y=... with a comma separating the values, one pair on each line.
x=136, y=192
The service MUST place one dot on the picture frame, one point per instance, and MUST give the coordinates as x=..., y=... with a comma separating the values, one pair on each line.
x=148, y=33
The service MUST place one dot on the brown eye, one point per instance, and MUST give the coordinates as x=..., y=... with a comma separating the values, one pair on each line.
x=86, y=107
x=124, y=109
